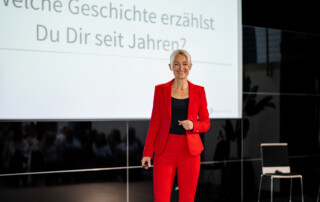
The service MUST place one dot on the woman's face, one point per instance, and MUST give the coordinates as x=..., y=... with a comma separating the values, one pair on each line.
x=181, y=67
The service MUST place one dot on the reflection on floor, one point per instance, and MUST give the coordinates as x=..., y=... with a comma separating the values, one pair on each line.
x=95, y=192
x=103, y=192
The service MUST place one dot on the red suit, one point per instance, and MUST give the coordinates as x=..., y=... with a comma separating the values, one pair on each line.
x=181, y=152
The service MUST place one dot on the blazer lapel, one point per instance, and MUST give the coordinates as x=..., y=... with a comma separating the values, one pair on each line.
x=191, y=99
x=167, y=96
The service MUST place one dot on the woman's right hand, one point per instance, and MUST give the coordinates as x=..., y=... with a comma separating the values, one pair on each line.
x=146, y=162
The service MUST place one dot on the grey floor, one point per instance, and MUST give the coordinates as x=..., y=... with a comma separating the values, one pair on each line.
x=95, y=192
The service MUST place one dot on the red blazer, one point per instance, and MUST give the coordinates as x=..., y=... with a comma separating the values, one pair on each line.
x=161, y=119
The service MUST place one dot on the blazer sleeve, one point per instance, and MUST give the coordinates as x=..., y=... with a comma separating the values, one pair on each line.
x=203, y=123
x=153, y=126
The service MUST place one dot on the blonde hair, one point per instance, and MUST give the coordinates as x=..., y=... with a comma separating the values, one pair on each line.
x=177, y=52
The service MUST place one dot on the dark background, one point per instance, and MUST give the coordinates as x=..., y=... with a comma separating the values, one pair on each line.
x=281, y=103
x=302, y=16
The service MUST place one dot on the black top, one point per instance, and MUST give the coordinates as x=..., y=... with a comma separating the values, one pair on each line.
x=179, y=111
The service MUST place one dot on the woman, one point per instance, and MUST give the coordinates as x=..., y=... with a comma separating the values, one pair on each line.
x=179, y=114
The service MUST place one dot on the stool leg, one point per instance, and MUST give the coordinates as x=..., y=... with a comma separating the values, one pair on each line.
x=271, y=189
x=290, y=189
x=302, y=198
x=261, y=178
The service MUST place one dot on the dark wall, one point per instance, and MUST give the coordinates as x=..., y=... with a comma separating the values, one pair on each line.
x=281, y=104
x=301, y=16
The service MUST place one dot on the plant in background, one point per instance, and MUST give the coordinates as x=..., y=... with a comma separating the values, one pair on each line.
x=230, y=133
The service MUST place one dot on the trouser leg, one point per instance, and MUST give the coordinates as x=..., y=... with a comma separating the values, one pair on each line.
x=163, y=177
x=188, y=175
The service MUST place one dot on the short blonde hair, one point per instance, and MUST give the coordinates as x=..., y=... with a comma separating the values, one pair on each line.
x=177, y=52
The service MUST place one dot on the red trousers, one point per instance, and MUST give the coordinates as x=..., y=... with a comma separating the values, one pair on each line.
x=176, y=156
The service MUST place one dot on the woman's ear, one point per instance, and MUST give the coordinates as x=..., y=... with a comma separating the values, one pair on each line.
x=190, y=66
x=170, y=67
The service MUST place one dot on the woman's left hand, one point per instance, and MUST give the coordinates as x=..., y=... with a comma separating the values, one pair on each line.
x=186, y=124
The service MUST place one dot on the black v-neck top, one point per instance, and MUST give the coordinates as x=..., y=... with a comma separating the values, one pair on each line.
x=179, y=111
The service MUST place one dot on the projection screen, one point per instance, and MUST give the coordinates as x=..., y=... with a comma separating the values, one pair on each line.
x=81, y=59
